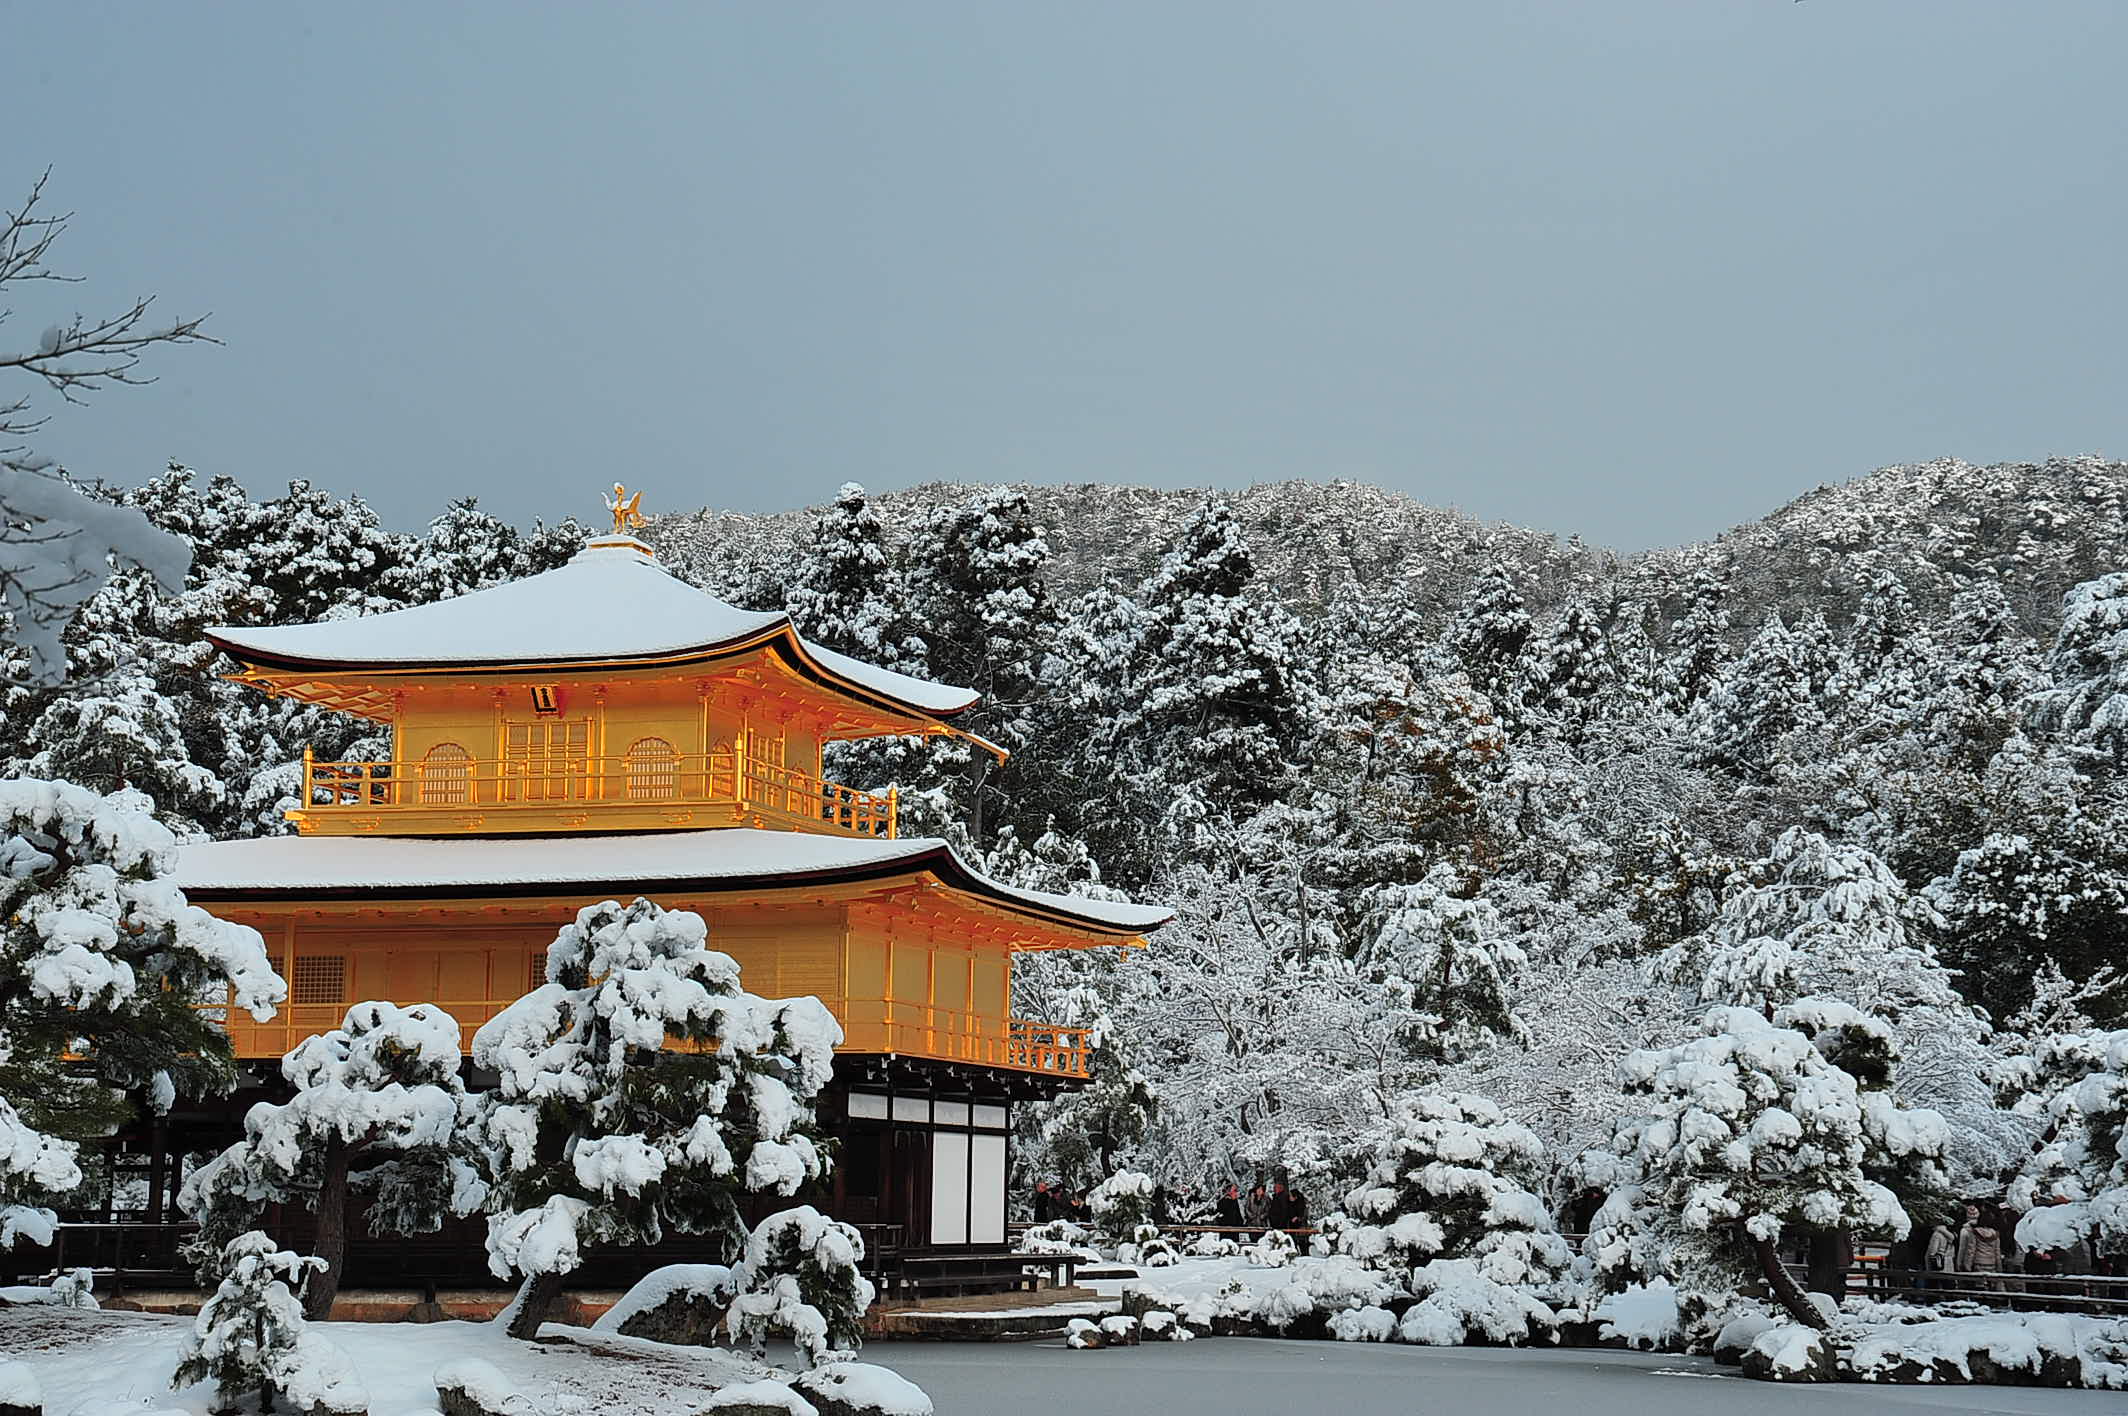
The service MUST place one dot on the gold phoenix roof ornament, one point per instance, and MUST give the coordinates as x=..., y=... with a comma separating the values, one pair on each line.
x=627, y=510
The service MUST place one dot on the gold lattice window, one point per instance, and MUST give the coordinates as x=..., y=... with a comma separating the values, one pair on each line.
x=546, y=759
x=446, y=775
x=319, y=978
x=535, y=970
x=653, y=770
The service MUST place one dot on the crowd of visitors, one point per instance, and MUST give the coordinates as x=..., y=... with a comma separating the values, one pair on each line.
x=1982, y=1248
x=1276, y=1205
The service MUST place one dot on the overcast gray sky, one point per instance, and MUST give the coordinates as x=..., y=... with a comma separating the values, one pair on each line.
x=1637, y=270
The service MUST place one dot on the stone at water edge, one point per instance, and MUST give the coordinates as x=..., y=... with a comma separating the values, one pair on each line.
x=1737, y=1335
x=861, y=1389
x=765, y=1398
x=1792, y=1353
x=1120, y=1331
x=1082, y=1334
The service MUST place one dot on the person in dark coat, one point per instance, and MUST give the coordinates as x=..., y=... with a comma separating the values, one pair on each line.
x=1228, y=1209
x=1278, y=1210
x=1296, y=1210
x=1045, y=1207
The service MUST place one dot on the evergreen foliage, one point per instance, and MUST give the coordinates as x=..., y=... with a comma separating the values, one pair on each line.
x=598, y=1132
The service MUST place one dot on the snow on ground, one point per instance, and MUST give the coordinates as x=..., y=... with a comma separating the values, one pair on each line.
x=101, y=1364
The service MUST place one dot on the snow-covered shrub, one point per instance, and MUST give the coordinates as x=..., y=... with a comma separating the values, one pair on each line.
x=1121, y=1203
x=72, y=1289
x=249, y=1335
x=1058, y=1236
x=378, y=1104
x=1750, y=1127
x=1211, y=1246
x=598, y=1132
x=1646, y=1316
x=2077, y=1082
x=1449, y=1186
x=1150, y=1249
x=101, y=963
x=801, y=1279
x=1273, y=1249
x=1460, y=1301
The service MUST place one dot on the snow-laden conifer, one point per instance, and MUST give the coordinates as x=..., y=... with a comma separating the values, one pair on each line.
x=601, y=1133
x=250, y=1337
x=2087, y=706
x=2074, y=1186
x=1747, y=1130
x=378, y=1103
x=106, y=962
x=1448, y=1211
x=801, y=1278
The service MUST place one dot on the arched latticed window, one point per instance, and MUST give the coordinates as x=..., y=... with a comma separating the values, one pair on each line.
x=653, y=770
x=446, y=775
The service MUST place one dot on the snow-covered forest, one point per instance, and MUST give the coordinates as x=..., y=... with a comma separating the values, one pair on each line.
x=1438, y=802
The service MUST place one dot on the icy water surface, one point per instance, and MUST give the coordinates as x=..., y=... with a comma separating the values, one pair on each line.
x=1259, y=1377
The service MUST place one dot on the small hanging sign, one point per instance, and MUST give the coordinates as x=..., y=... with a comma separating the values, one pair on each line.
x=544, y=699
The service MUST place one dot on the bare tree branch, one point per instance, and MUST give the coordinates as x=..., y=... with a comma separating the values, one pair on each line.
x=81, y=356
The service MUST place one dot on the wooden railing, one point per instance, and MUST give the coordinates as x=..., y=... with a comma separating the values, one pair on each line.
x=654, y=784
x=911, y=1029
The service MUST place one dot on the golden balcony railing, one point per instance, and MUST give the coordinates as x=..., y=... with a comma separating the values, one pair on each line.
x=909, y=1029
x=556, y=791
x=920, y=1030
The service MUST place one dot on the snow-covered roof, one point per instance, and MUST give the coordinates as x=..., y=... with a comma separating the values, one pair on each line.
x=611, y=603
x=283, y=866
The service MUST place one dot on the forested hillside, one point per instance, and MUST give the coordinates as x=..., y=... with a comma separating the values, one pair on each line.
x=1435, y=800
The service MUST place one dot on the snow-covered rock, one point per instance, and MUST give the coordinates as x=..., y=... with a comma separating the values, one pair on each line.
x=682, y=1303
x=861, y=1389
x=1791, y=1352
x=2028, y=1349
x=20, y=1392
x=764, y=1398
x=472, y=1387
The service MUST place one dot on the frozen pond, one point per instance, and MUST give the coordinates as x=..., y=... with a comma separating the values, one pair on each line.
x=1260, y=1377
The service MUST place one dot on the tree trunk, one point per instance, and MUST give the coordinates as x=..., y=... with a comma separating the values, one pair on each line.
x=1784, y=1288
x=1831, y=1253
x=330, y=1241
x=533, y=1302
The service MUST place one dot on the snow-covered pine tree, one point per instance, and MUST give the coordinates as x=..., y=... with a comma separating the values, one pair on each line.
x=1402, y=773
x=2086, y=709
x=1984, y=671
x=849, y=593
x=1571, y=671
x=1698, y=644
x=249, y=1336
x=1443, y=963
x=466, y=549
x=122, y=731
x=1814, y=917
x=2074, y=1185
x=1452, y=1176
x=378, y=1099
x=2048, y=880
x=1491, y=637
x=801, y=1278
x=601, y=1133
x=1747, y=1130
x=102, y=965
x=979, y=593
x=1763, y=694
